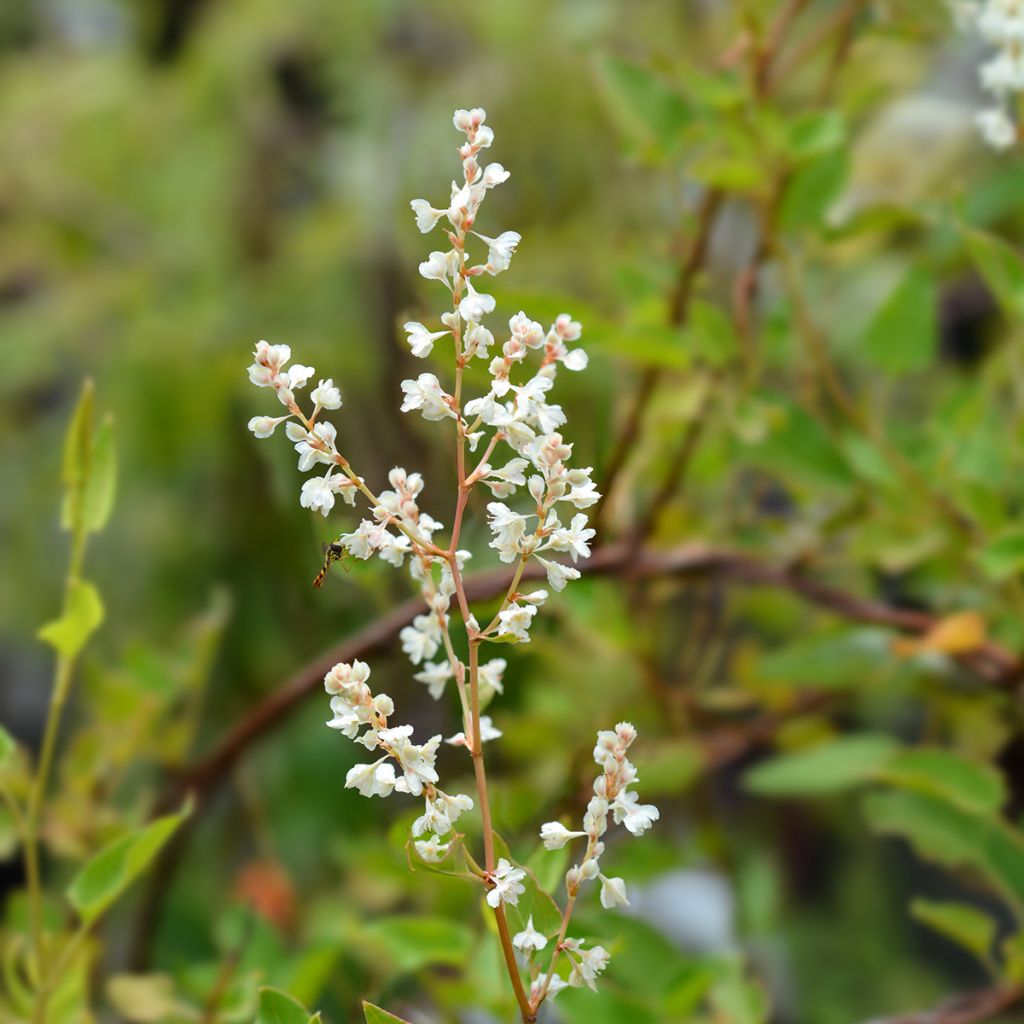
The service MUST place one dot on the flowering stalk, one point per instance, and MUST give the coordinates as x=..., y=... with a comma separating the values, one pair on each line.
x=1001, y=24
x=519, y=417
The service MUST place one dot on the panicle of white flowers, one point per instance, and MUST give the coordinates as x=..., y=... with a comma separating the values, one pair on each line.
x=1001, y=24
x=612, y=798
x=403, y=767
x=520, y=434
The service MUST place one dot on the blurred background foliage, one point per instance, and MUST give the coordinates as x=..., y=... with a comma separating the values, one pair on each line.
x=839, y=401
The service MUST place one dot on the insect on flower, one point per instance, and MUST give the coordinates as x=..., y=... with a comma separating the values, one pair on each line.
x=333, y=552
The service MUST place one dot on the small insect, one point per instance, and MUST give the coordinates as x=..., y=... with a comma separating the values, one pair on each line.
x=332, y=553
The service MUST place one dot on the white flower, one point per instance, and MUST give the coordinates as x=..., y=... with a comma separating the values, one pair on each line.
x=590, y=964
x=372, y=779
x=583, y=491
x=487, y=732
x=558, y=574
x=345, y=676
x=421, y=639
x=613, y=893
x=996, y=127
x=425, y=393
x=555, y=985
x=508, y=528
x=426, y=216
x=421, y=341
x=431, y=850
x=297, y=376
x=417, y=761
x=475, y=305
x=515, y=621
x=504, y=481
x=494, y=174
x=267, y=362
x=555, y=835
x=469, y=121
x=326, y=395
x=529, y=939
x=264, y=426
x=506, y=879
x=440, y=266
x=490, y=675
x=477, y=341
x=317, y=494
x=499, y=250
x=637, y=817
x=573, y=538
x=434, y=676
x=527, y=332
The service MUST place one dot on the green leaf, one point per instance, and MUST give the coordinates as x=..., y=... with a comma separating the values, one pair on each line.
x=943, y=833
x=7, y=746
x=828, y=768
x=844, y=659
x=77, y=456
x=815, y=133
x=416, y=942
x=813, y=189
x=1001, y=267
x=276, y=1007
x=106, y=875
x=1003, y=557
x=710, y=334
x=963, y=924
x=82, y=616
x=647, y=111
x=902, y=336
x=375, y=1015
x=973, y=787
x=100, y=484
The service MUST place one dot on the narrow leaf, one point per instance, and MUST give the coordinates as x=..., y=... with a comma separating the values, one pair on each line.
x=276, y=1007
x=100, y=484
x=973, y=787
x=375, y=1015
x=828, y=768
x=7, y=747
x=965, y=925
x=1001, y=267
x=902, y=336
x=105, y=876
x=82, y=616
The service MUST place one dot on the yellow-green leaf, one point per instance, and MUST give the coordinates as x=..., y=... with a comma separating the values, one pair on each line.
x=965, y=925
x=100, y=484
x=105, y=876
x=82, y=616
x=1001, y=267
x=902, y=336
x=972, y=786
x=375, y=1015
x=277, y=1007
x=827, y=768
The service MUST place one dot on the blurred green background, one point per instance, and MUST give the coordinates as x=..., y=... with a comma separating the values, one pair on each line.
x=179, y=178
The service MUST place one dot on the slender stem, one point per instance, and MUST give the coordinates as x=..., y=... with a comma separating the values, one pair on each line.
x=566, y=915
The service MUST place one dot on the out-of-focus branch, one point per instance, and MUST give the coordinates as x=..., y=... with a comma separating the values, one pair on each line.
x=964, y=1008
x=679, y=304
x=989, y=662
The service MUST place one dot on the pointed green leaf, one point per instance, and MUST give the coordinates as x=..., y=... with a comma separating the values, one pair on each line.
x=105, y=876
x=963, y=924
x=77, y=455
x=100, y=484
x=277, y=1007
x=7, y=746
x=902, y=336
x=375, y=1015
x=1001, y=267
x=83, y=614
x=1004, y=556
x=828, y=768
x=648, y=112
x=973, y=787
x=943, y=833
x=415, y=942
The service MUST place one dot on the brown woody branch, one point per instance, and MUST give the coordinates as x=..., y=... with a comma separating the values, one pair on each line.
x=990, y=662
x=964, y=1008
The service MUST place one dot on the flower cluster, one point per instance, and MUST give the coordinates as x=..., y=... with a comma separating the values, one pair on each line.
x=1000, y=23
x=612, y=798
x=518, y=431
x=404, y=767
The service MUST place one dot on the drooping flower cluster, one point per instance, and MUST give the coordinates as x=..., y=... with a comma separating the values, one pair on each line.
x=514, y=416
x=1001, y=24
x=404, y=766
x=612, y=797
